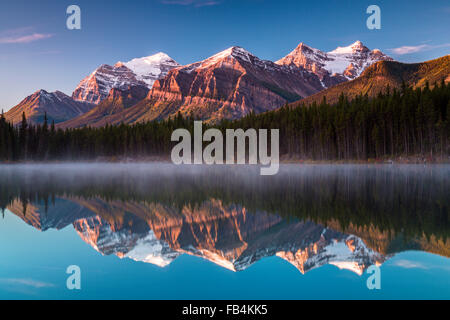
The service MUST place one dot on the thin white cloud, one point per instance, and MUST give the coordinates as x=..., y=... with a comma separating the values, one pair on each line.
x=419, y=48
x=195, y=3
x=26, y=282
x=22, y=35
x=407, y=264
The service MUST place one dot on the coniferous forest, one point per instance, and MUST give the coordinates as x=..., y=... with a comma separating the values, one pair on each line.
x=396, y=123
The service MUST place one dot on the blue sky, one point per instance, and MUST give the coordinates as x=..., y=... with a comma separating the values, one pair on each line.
x=37, y=51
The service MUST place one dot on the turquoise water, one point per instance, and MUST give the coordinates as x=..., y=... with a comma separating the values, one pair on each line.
x=158, y=232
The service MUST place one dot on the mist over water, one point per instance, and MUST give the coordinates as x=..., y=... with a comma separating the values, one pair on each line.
x=412, y=197
x=426, y=178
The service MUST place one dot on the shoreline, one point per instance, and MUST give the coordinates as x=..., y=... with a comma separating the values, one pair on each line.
x=283, y=160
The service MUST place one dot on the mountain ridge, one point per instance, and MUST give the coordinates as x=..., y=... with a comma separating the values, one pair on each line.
x=383, y=73
x=336, y=66
x=116, y=102
x=136, y=72
x=57, y=106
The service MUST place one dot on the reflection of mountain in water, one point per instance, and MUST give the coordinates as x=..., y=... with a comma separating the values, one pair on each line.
x=226, y=235
x=349, y=216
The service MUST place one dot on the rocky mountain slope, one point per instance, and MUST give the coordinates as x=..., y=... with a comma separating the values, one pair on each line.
x=116, y=102
x=137, y=72
x=376, y=77
x=58, y=106
x=339, y=65
x=228, y=85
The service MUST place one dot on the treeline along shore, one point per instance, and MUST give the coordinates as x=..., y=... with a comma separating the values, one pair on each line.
x=403, y=122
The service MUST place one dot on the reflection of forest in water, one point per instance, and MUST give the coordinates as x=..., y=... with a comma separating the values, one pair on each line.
x=391, y=208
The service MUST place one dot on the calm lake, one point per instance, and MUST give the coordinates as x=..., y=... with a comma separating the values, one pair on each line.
x=159, y=231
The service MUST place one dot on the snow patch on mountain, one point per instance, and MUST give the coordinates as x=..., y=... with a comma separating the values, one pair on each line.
x=345, y=62
x=149, y=69
x=152, y=250
x=137, y=72
x=354, y=47
x=233, y=53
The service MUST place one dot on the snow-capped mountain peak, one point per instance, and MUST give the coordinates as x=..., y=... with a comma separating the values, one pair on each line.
x=136, y=72
x=237, y=52
x=156, y=58
x=149, y=69
x=338, y=65
x=357, y=46
x=233, y=53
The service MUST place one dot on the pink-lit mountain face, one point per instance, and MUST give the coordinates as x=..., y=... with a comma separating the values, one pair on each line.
x=137, y=72
x=228, y=85
x=117, y=101
x=339, y=65
x=56, y=105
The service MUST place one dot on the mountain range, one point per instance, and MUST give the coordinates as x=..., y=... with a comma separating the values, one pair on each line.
x=228, y=85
